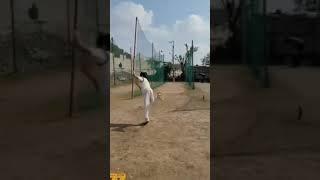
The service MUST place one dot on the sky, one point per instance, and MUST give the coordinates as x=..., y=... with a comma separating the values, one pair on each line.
x=163, y=21
x=272, y=5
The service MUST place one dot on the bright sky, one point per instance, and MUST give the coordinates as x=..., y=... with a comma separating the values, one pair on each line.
x=272, y=5
x=163, y=21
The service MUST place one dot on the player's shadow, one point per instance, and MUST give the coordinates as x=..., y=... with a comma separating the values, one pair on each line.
x=122, y=127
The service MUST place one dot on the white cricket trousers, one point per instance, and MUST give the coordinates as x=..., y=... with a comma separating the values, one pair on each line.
x=148, y=100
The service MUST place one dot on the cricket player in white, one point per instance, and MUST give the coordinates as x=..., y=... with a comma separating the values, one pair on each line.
x=147, y=93
x=93, y=59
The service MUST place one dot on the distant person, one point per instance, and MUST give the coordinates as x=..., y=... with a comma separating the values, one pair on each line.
x=147, y=92
x=92, y=56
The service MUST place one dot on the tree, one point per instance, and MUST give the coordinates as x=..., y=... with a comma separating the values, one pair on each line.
x=307, y=5
x=167, y=70
x=117, y=51
x=233, y=10
x=206, y=60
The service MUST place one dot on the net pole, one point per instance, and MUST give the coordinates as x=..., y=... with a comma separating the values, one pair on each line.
x=173, y=61
x=75, y=22
x=192, y=71
x=131, y=69
x=68, y=26
x=266, y=70
x=151, y=60
x=114, y=71
x=151, y=51
x=97, y=15
x=134, y=54
x=13, y=36
x=140, y=61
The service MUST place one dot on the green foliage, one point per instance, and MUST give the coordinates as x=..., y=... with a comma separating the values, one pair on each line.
x=206, y=60
x=167, y=70
x=117, y=51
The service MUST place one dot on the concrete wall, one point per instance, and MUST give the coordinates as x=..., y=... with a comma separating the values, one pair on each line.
x=123, y=74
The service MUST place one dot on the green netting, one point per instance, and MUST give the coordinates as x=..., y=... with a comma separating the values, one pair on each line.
x=254, y=41
x=189, y=71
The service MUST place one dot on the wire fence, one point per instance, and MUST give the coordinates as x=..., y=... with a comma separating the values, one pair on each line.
x=36, y=36
x=41, y=31
x=254, y=42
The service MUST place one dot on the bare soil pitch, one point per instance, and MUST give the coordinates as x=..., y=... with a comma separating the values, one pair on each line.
x=174, y=145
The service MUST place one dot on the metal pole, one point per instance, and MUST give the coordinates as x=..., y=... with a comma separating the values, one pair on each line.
x=68, y=26
x=151, y=59
x=266, y=70
x=140, y=61
x=192, y=73
x=134, y=53
x=131, y=66
x=173, y=61
x=75, y=22
x=152, y=51
x=13, y=35
x=114, y=70
x=97, y=15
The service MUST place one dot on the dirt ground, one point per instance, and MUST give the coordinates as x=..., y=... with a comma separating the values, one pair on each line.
x=38, y=140
x=174, y=145
x=262, y=138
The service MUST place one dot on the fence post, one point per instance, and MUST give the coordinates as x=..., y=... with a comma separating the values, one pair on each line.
x=134, y=53
x=192, y=70
x=75, y=24
x=114, y=71
x=140, y=61
x=13, y=35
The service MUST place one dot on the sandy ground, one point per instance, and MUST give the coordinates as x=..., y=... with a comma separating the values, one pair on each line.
x=38, y=140
x=266, y=141
x=174, y=145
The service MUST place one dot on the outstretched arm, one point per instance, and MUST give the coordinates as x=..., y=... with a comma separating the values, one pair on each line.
x=80, y=44
x=137, y=77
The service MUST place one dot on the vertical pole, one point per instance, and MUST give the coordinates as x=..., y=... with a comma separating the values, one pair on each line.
x=265, y=54
x=192, y=71
x=131, y=69
x=173, y=61
x=140, y=61
x=163, y=75
x=75, y=22
x=114, y=70
x=68, y=26
x=13, y=36
x=151, y=59
x=134, y=54
x=151, y=51
x=97, y=15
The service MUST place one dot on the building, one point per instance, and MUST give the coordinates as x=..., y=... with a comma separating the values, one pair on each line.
x=201, y=73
